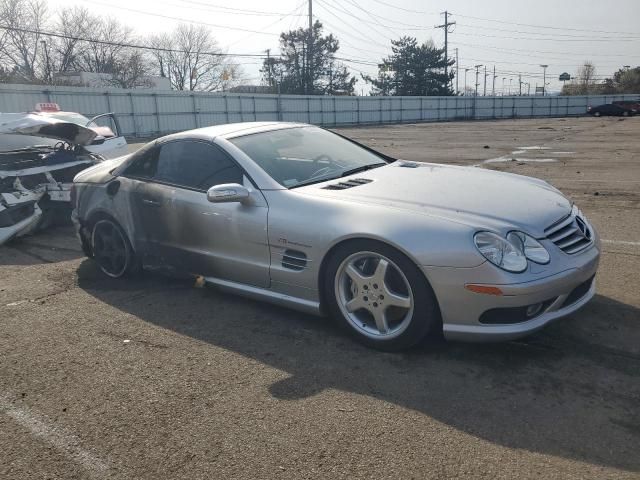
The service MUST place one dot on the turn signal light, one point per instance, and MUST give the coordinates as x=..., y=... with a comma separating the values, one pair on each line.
x=486, y=289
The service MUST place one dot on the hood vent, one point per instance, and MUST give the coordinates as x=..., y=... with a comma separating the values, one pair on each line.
x=409, y=165
x=294, y=260
x=354, y=182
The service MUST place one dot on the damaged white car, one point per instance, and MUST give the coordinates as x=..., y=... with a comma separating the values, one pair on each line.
x=35, y=180
x=109, y=142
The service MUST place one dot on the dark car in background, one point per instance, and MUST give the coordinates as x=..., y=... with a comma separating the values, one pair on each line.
x=633, y=105
x=610, y=109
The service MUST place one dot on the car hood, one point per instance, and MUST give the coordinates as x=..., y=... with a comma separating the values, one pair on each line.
x=474, y=196
x=39, y=126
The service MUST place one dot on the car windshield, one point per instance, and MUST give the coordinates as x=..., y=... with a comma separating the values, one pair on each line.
x=304, y=155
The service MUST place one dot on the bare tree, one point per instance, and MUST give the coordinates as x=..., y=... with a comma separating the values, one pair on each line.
x=191, y=59
x=74, y=23
x=20, y=43
x=586, y=78
x=583, y=82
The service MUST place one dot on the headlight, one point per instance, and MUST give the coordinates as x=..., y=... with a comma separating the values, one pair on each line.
x=531, y=248
x=500, y=252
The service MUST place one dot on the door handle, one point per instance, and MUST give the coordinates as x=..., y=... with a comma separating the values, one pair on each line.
x=151, y=203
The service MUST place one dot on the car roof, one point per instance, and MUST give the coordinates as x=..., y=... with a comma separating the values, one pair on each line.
x=231, y=130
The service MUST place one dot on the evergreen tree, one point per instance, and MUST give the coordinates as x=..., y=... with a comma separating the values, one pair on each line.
x=413, y=70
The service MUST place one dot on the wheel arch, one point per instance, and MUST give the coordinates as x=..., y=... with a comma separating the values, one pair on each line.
x=351, y=239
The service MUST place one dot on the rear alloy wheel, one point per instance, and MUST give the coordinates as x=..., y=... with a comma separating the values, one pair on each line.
x=380, y=295
x=111, y=249
x=597, y=114
x=625, y=114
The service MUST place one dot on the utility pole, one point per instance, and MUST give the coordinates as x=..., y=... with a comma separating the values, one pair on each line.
x=446, y=26
x=484, y=93
x=310, y=51
x=544, y=79
x=465, y=81
x=457, y=76
x=477, y=67
x=48, y=63
x=503, y=88
x=268, y=51
x=493, y=88
x=520, y=83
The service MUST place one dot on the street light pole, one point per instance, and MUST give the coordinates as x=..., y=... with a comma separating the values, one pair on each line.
x=503, y=80
x=544, y=79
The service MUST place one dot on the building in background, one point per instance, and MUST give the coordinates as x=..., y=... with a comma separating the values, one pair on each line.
x=105, y=80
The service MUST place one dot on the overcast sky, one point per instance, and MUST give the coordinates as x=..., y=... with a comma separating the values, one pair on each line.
x=515, y=36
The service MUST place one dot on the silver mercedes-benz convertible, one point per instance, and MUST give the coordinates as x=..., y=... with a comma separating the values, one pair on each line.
x=303, y=217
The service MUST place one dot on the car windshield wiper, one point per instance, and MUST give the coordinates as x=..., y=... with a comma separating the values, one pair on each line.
x=363, y=168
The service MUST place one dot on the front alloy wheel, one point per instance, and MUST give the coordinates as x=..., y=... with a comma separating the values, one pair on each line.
x=379, y=295
x=374, y=295
x=111, y=249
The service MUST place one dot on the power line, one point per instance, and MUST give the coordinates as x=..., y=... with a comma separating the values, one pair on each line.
x=124, y=45
x=292, y=14
x=539, y=39
x=564, y=35
x=364, y=38
x=232, y=10
x=333, y=6
x=142, y=12
x=404, y=9
x=543, y=26
x=402, y=24
x=528, y=51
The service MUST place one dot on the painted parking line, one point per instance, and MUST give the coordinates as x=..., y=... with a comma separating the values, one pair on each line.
x=57, y=437
x=621, y=242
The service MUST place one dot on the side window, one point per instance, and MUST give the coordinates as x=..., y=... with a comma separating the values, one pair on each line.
x=195, y=165
x=145, y=166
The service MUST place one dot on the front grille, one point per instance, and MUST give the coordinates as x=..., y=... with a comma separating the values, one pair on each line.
x=578, y=292
x=571, y=234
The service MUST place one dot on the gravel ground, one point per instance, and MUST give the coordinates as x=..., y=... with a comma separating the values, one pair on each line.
x=152, y=378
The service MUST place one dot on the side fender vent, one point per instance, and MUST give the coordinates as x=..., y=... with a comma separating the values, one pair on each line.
x=354, y=182
x=294, y=260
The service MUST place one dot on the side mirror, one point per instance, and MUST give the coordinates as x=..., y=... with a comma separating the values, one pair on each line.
x=228, y=192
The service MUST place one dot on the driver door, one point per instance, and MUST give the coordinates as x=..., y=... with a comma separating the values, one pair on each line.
x=182, y=229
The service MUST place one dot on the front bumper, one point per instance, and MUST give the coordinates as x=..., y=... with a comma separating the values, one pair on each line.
x=461, y=309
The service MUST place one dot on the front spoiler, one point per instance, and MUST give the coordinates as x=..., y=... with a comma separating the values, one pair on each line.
x=496, y=333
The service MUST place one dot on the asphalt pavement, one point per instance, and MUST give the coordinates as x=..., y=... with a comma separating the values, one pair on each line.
x=153, y=378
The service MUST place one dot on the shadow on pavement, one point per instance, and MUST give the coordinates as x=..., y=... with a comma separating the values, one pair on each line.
x=55, y=244
x=566, y=391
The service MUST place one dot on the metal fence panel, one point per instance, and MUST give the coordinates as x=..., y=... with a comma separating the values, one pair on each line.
x=142, y=112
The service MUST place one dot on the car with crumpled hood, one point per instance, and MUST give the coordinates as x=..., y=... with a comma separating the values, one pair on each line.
x=35, y=180
x=109, y=141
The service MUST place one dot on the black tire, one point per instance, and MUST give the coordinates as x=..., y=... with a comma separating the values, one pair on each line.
x=423, y=319
x=625, y=114
x=112, y=250
x=597, y=114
